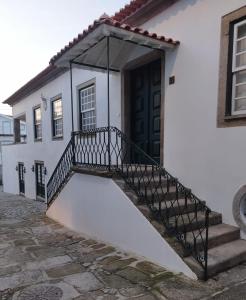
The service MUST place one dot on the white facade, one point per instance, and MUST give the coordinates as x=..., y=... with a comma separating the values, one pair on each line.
x=208, y=159
x=49, y=150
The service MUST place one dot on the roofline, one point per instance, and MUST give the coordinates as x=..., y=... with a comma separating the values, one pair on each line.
x=110, y=22
x=137, y=12
x=49, y=73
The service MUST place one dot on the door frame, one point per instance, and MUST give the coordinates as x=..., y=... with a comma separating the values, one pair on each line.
x=39, y=198
x=23, y=166
x=126, y=93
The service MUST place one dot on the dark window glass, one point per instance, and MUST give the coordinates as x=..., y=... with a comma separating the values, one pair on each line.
x=57, y=120
x=37, y=124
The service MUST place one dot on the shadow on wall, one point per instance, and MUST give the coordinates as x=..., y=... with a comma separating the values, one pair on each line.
x=174, y=11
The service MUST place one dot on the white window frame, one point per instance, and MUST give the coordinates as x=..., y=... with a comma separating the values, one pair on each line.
x=235, y=69
x=37, y=123
x=87, y=110
x=54, y=135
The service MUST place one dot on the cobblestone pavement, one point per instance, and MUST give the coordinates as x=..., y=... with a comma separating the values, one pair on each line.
x=42, y=260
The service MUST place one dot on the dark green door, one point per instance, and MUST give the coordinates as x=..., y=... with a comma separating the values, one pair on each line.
x=40, y=181
x=21, y=178
x=146, y=107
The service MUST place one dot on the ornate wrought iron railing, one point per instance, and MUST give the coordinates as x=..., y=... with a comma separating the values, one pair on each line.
x=61, y=172
x=184, y=215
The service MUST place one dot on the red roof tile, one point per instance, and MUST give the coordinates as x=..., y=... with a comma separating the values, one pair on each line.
x=129, y=9
x=114, y=23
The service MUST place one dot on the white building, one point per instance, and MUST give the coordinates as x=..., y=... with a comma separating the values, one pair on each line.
x=7, y=134
x=176, y=75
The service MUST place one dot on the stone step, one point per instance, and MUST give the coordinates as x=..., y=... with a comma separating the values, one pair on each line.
x=192, y=221
x=141, y=171
x=217, y=235
x=160, y=193
x=220, y=258
x=153, y=182
x=181, y=206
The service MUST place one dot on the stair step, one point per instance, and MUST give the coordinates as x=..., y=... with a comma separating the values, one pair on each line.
x=178, y=207
x=141, y=170
x=217, y=235
x=157, y=194
x=154, y=181
x=220, y=258
x=189, y=221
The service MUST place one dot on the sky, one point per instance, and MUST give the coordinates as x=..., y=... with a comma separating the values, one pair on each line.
x=32, y=31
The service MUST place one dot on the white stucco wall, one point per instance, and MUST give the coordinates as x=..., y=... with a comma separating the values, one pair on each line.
x=97, y=207
x=209, y=160
x=50, y=150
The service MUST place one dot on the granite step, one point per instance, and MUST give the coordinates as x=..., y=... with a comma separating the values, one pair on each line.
x=220, y=258
x=173, y=207
x=194, y=221
x=217, y=235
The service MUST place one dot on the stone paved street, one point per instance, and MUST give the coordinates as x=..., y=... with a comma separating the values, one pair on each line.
x=40, y=259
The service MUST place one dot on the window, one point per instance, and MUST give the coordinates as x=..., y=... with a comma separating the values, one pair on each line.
x=239, y=69
x=231, y=110
x=7, y=127
x=87, y=99
x=57, y=120
x=37, y=123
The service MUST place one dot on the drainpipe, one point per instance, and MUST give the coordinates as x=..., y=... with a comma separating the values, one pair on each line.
x=71, y=90
x=109, y=132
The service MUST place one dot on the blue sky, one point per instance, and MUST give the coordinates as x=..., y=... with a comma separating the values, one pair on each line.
x=32, y=31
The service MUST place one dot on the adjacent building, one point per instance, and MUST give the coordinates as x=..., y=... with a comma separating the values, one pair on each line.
x=7, y=135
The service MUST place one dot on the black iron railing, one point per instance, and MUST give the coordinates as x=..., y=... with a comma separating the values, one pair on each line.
x=184, y=215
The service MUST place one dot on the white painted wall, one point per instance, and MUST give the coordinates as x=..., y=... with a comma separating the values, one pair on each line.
x=209, y=160
x=50, y=150
x=97, y=207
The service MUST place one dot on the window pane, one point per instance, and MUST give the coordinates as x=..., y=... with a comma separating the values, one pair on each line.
x=241, y=77
x=241, y=31
x=240, y=104
x=241, y=90
x=241, y=60
x=57, y=108
x=58, y=127
x=241, y=45
x=6, y=127
x=38, y=131
x=37, y=113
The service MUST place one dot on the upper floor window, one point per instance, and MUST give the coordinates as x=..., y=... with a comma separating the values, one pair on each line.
x=37, y=123
x=231, y=110
x=57, y=120
x=239, y=69
x=87, y=103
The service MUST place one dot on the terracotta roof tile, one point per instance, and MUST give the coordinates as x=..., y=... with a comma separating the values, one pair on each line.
x=129, y=9
x=114, y=23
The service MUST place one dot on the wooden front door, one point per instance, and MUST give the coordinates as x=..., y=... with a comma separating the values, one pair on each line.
x=21, y=178
x=40, y=181
x=146, y=107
